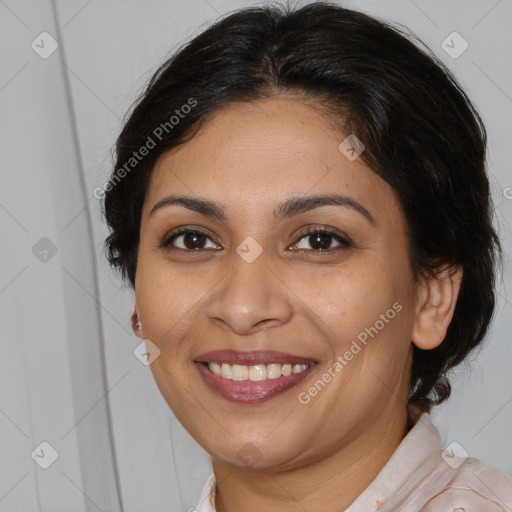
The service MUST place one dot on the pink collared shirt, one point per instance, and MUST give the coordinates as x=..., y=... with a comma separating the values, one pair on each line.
x=421, y=477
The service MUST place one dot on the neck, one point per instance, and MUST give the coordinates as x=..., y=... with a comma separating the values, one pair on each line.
x=330, y=484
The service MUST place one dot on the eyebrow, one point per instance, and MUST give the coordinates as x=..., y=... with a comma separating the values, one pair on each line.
x=288, y=208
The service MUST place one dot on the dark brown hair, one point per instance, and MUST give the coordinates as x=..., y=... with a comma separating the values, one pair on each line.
x=422, y=135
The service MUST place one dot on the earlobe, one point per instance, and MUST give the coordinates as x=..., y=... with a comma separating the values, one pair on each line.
x=135, y=321
x=436, y=303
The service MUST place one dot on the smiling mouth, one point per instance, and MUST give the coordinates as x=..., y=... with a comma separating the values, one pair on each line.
x=252, y=377
x=255, y=373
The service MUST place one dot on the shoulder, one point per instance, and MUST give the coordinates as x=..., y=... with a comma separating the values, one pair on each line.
x=474, y=486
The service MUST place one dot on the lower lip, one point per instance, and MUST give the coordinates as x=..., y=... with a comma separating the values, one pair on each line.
x=248, y=391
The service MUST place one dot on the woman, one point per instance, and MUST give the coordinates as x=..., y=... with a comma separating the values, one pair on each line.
x=301, y=204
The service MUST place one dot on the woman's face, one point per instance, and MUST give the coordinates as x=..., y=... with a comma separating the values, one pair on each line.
x=253, y=280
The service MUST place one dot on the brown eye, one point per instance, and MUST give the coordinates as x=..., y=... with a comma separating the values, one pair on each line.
x=191, y=240
x=321, y=240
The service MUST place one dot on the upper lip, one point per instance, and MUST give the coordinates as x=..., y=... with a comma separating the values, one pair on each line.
x=251, y=358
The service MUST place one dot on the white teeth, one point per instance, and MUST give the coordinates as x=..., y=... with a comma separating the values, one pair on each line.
x=216, y=368
x=226, y=370
x=258, y=372
x=239, y=372
x=297, y=368
x=255, y=372
x=286, y=370
x=273, y=371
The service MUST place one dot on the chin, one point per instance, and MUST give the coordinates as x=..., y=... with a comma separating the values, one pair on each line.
x=257, y=456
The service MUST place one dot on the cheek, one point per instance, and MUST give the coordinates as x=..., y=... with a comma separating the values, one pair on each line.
x=350, y=299
x=365, y=317
x=168, y=301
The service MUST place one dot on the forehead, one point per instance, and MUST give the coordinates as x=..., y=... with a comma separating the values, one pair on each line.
x=258, y=153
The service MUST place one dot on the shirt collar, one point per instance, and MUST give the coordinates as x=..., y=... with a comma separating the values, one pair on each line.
x=420, y=444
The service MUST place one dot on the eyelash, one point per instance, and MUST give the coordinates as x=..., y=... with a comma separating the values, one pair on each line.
x=345, y=243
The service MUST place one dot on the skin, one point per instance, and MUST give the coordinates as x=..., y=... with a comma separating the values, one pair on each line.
x=249, y=158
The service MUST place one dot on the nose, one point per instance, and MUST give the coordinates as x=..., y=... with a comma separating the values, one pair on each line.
x=251, y=297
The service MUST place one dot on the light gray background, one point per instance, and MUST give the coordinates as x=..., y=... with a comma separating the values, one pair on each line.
x=68, y=375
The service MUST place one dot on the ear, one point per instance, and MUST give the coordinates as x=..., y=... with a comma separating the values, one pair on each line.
x=436, y=300
x=135, y=321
